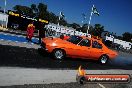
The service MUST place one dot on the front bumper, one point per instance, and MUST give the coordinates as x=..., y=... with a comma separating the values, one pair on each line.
x=43, y=46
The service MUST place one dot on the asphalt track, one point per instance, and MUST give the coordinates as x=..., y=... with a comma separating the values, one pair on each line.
x=70, y=85
x=36, y=58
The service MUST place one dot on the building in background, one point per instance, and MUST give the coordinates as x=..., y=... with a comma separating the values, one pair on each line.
x=3, y=20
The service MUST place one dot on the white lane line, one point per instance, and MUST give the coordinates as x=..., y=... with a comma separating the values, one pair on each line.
x=5, y=34
x=9, y=34
x=102, y=86
x=16, y=35
x=24, y=42
x=32, y=43
x=17, y=41
x=9, y=40
x=20, y=36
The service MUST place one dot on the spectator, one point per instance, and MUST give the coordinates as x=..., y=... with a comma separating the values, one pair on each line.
x=30, y=31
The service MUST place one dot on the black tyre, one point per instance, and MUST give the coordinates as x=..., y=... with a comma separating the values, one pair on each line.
x=59, y=54
x=81, y=80
x=103, y=59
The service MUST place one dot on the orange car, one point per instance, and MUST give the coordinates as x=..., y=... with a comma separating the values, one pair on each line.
x=78, y=47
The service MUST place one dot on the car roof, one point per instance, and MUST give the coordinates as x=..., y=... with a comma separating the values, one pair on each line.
x=84, y=37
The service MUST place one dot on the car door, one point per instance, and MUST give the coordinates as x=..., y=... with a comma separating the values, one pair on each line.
x=72, y=49
x=96, y=50
x=84, y=46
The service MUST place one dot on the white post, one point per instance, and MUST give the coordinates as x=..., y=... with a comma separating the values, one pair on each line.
x=5, y=7
x=58, y=21
x=90, y=19
x=58, y=24
x=4, y=14
x=6, y=21
x=59, y=18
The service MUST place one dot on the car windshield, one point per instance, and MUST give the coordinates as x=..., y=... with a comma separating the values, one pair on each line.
x=75, y=39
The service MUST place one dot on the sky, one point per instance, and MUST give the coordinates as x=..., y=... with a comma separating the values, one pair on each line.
x=115, y=15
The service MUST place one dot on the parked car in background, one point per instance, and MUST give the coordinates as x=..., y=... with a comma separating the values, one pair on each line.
x=78, y=47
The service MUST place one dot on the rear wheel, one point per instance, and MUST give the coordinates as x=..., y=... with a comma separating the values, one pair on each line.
x=103, y=59
x=59, y=54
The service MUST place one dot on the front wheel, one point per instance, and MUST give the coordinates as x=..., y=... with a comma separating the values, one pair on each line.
x=58, y=54
x=103, y=59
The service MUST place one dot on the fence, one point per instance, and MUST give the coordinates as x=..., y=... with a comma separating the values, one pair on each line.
x=56, y=30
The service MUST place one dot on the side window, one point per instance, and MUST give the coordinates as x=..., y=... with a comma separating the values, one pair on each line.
x=85, y=42
x=74, y=39
x=95, y=44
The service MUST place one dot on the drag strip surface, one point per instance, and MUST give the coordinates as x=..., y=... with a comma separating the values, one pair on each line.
x=32, y=58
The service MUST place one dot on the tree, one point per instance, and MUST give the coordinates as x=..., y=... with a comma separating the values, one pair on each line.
x=23, y=10
x=84, y=28
x=98, y=30
x=39, y=11
x=75, y=25
x=91, y=30
x=42, y=8
x=119, y=37
x=127, y=36
x=34, y=10
x=52, y=17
